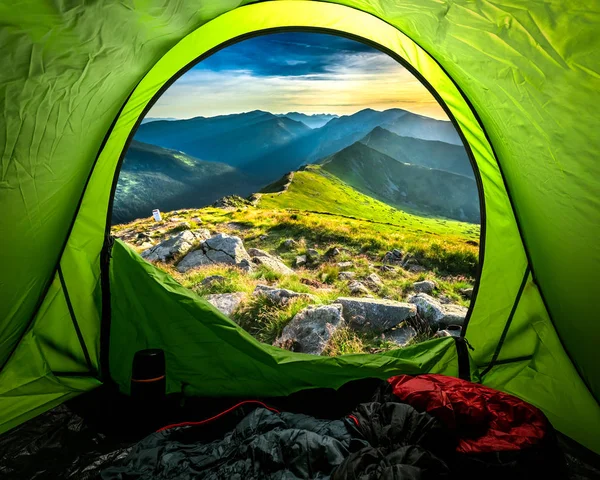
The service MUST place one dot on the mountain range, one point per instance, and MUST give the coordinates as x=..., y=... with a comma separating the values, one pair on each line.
x=250, y=150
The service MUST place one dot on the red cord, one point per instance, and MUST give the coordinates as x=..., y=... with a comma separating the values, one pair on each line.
x=354, y=419
x=202, y=422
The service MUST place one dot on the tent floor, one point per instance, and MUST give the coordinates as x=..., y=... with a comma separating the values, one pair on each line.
x=81, y=437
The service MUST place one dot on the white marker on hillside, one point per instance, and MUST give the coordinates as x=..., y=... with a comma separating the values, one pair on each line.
x=156, y=215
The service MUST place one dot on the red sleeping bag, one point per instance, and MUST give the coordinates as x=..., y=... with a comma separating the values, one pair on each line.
x=484, y=419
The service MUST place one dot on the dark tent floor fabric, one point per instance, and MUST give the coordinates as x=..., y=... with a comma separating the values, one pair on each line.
x=370, y=433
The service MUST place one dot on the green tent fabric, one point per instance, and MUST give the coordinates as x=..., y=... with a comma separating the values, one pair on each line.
x=520, y=79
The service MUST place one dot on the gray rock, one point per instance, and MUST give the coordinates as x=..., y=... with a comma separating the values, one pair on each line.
x=257, y=252
x=387, y=268
x=197, y=220
x=312, y=255
x=226, y=303
x=246, y=266
x=300, y=260
x=333, y=252
x=223, y=248
x=290, y=243
x=451, y=331
x=147, y=245
x=426, y=286
x=393, y=257
x=373, y=281
x=466, y=292
x=273, y=264
x=416, y=268
x=194, y=259
x=311, y=329
x=218, y=249
x=178, y=244
x=401, y=336
x=346, y=275
x=281, y=296
x=344, y=265
x=212, y=280
x=201, y=233
x=371, y=314
x=358, y=288
x=436, y=313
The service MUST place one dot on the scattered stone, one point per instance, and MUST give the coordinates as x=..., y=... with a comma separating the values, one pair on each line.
x=232, y=201
x=263, y=237
x=372, y=314
x=445, y=299
x=281, y=296
x=142, y=236
x=202, y=233
x=416, y=269
x=393, y=257
x=312, y=255
x=178, y=244
x=451, y=331
x=401, y=336
x=245, y=266
x=358, y=288
x=176, y=219
x=387, y=268
x=257, y=252
x=466, y=292
x=273, y=264
x=426, y=286
x=333, y=252
x=311, y=329
x=146, y=245
x=346, y=275
x=226, y=303
x=197, y=220
x=212, y=280
x=374, y=282
x=344, y=264
x=312, y=283
x=436, y=313
x=290, y=243
x=300, y=260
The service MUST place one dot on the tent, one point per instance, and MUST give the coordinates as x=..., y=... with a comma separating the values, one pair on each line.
x=520, y=80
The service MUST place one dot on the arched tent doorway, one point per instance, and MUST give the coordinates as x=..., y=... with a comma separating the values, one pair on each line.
x=63, y=344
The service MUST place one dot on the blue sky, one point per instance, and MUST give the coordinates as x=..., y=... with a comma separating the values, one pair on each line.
x=305, y=72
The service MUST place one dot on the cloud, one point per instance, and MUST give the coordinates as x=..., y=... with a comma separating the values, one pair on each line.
x=295, y=72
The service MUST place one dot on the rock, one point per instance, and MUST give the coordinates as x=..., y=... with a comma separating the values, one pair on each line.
x=178, y=244
x=273, y=264
x=290, y=243
x=375, y=315
x=466, y=292
x=232, y=201
x=281, y=296
x=393, y=257
x=226, y=303
x=346, y=275
x=194, y=259
x=436, y=313
x=257, y=252
x=218, y=249
x=245, y=266
x=358, y=288
x=263, y=237
x=311, y=329
x=312, y=255
x=202, y=233
x=344, y=265
x=223, y=248
x=197, y=220
x=445, y=299
x=401, y=336
x=426, y=286
x=300, y=260
x=333, y=252
x=387, y=268
x=147, y=245
x=176, y=219
x=451, y=331
x=416, y=268
x=142, y=236
x=212, y=280
x=374, y=282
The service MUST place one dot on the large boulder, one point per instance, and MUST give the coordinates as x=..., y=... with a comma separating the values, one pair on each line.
x=372, y=314
x=281, y=296
x=260, y=257
x=221, y=248
x=311, y=329
x=226, y=303
x=436, y=313
x=178, y=244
